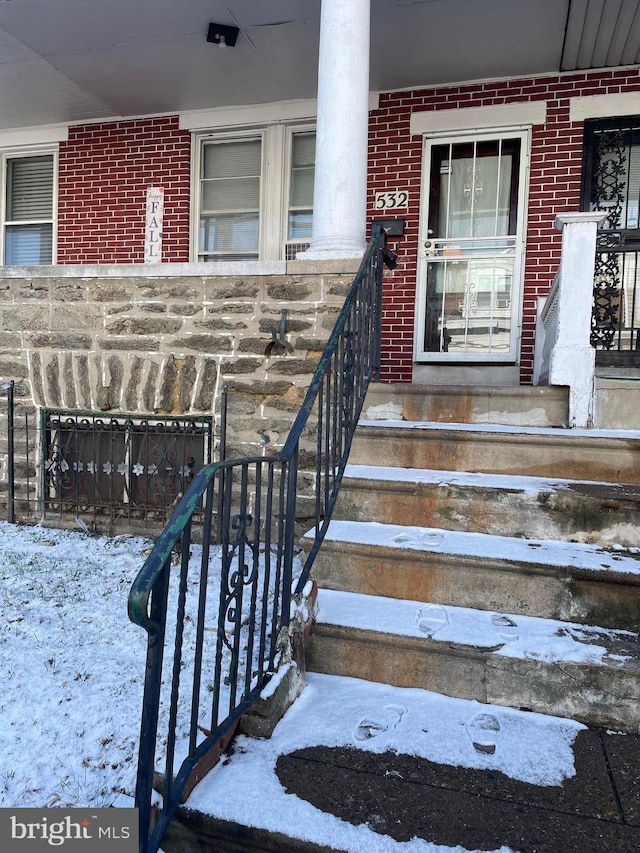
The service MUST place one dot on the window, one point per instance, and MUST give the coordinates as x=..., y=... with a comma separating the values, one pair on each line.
x=254, y=194
x=29, y=209
x=303, y=157
x=230, y=178
x=130, y=466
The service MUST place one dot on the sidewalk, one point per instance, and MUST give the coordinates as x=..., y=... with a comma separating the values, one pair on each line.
x=356, y=766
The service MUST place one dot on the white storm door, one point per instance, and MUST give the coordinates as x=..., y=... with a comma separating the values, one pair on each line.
x=471, y=248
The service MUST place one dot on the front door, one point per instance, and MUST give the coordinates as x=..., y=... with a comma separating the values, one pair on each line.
x=471, y=250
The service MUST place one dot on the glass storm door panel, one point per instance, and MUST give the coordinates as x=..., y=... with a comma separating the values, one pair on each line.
x=469, y=294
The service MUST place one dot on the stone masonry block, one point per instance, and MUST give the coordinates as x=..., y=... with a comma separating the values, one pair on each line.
x=290, y=291
x=14, y=368
x=294, y=366
x=59, y=341
x=227, y=288
x=147, y=326
x=25, y=318
x=110, y=290
x=209, y=344
x=35, y=289
x=179, y=287
x=131, y=344
x=68, y=290
x=187, y=309
x=241, y=365
x=220, y=324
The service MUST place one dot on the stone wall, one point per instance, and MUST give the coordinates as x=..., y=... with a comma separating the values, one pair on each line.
x=165, y=340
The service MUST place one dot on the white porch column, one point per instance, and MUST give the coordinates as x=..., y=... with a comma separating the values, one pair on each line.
x=572, y=357
x=339, y=207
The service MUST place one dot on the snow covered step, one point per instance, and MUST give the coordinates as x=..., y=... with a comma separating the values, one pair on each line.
x=608, y=455
x=503, y=504
x=525, y=405
x=547, y=578
x=550, y=666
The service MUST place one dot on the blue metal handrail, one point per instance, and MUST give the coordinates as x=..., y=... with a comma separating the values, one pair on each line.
x=237, y=639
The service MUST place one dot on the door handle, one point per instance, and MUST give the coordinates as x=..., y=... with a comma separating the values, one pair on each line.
x=428, y=249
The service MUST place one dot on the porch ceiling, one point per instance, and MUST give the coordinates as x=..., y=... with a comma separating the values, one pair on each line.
x=73, y=60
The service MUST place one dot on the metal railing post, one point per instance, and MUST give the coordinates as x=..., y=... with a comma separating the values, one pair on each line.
x=11, y=466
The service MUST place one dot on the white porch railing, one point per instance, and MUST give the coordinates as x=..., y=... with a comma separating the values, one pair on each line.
x=563, y=351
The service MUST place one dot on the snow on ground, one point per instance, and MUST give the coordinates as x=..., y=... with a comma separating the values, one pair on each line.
x=335, y=711
x=71, y=666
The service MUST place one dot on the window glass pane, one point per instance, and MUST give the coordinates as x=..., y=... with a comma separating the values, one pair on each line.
x=29, y=188
x=230, y=190
x=230, y=194
x=303, y=151
x=229, y=233
x=302, y=188
x=29, y=244
x=303, y=155
x=475, y=186
x=300, y=222
x=231, y=159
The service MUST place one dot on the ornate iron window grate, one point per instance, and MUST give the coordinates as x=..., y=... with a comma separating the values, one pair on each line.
x=611, y=183
x=124, y=467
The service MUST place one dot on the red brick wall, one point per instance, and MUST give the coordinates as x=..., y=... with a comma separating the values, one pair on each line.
x=556, y=164
x=105, y=170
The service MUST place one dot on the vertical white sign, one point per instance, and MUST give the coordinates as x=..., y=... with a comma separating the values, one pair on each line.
x=153, y=226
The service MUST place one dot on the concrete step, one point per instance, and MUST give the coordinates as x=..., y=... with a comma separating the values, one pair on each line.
x=553, y=667
x=602, y=455
x=546, y=578
x=358, y=766
x=526, y=405
x=531, y=507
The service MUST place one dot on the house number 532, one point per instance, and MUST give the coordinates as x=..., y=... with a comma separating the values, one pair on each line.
x=392, y=199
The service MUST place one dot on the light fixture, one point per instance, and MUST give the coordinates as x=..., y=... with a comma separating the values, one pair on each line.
x=222, y=35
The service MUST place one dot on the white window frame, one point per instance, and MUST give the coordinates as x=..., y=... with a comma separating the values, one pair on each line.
x=17, y=153
x=277, y=141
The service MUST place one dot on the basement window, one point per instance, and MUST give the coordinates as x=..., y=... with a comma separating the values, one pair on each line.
x=127, y=466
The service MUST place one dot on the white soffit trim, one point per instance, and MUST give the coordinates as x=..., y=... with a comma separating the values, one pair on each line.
x=45, y=135
x=254, y=114
x=475, y=118
x=604, y=106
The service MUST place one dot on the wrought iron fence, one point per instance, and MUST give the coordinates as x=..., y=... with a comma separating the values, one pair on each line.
x=215, y=615
x=17, y=452
x=116, y=472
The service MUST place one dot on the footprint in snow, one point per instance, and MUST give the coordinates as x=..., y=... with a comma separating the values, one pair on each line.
x=484, y=732
x=432, y=619
x=389, y=718
x=507, y=628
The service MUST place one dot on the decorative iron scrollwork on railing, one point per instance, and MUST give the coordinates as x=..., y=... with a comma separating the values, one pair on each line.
x=237, y=639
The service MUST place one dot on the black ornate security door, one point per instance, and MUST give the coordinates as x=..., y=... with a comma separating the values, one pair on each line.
x=611, y=184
